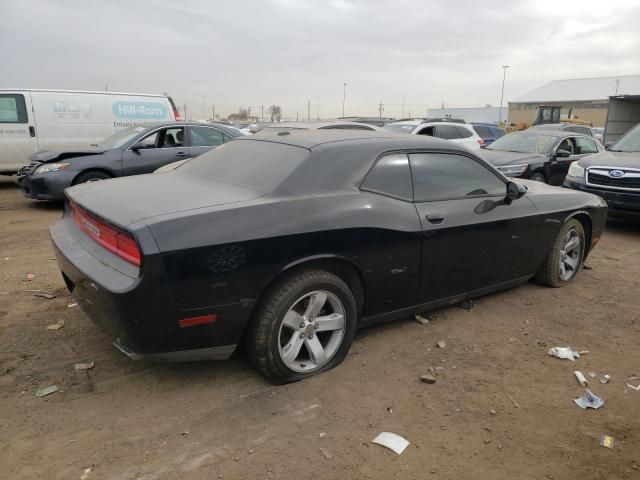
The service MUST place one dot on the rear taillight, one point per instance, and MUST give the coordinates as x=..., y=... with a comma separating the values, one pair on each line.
x=113, y=239
x=481, y=141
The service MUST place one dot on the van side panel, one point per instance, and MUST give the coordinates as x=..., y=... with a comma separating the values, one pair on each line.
x=66, y=119
x=17, y=130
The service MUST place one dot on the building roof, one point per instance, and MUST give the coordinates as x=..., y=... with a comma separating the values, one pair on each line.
x=582, y=89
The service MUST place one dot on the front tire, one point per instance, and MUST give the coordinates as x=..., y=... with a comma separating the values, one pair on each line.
x=91, y=176
x=538, y=177
x=305, y=325
x=565, y=256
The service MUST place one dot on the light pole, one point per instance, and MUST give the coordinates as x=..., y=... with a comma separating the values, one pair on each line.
x=318, y=108
x=504, y=74
x=344, y=96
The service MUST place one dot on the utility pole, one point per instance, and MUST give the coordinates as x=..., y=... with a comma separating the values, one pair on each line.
x=344, y=96
x=617, y=86
x=185, y=112
x=403, y=108
x=106, y=87
x=203, y=97
x=296, y=116
x=308, y=110
x=317, y=108
x=504, y=74
x=213, y=113
x=262, y=113
x=380, y=108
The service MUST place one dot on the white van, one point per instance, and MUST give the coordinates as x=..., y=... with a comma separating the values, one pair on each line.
x=34, y=120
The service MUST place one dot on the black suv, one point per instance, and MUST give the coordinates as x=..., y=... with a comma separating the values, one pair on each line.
x=613, y=174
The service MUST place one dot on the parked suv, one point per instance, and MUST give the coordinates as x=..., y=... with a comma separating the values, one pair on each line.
x=461, y=133
x=489, y=133
x=613, y=174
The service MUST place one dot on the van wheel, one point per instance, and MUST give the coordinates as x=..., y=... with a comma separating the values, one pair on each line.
x=539, y=177
x=91, y=177
x=304, y=326
x=565, y=257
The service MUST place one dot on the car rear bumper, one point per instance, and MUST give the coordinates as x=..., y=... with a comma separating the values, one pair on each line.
x=620, y=203
x=136, y=309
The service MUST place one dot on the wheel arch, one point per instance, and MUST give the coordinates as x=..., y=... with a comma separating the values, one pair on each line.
x=340, y=266
x=584, y=217
x=92, y=169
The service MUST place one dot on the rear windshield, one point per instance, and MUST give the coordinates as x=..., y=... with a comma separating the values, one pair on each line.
x=257, y=165
x=630, y=142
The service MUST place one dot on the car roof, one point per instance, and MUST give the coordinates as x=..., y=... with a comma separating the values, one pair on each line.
x=556, y=126
x=455, y=124
x=224, y=128
x=317, y=125
x=549, y=132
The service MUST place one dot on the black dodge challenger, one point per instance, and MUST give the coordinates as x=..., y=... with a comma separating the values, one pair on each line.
x=288, y=242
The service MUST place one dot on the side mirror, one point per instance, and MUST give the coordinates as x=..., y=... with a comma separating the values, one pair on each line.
x=515, y=191
x=563, y=153
x=138, y=146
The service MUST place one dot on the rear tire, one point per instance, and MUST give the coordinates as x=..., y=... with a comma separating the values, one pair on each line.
x=304, y=325
x=565, y=256
x=538, y=177
x=91, y=176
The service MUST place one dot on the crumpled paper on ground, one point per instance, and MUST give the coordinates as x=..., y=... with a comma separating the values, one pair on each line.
x=564, y=352
x=589, y=400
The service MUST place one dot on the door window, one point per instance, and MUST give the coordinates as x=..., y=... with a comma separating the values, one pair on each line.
x=441, y=176
x=172, y=137
x=462, y=132
x=206, y=137
x=447, y=132
x=483, y=131
x=13, y=109
x=567, y=145
x=586, y=145
x=428, y=131
x=390, y=176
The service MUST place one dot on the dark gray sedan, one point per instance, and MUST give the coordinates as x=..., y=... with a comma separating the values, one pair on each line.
x=133, y=151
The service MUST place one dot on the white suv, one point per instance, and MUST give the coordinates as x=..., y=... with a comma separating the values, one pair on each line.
x=462, y=133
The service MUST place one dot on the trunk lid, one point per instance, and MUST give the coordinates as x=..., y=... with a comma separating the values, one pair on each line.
x=127, y=200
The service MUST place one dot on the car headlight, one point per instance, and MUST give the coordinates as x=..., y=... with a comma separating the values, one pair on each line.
x=50, y=167
x=575, y=170
x=513, y=170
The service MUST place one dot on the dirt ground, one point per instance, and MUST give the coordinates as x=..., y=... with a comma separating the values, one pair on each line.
x=501, y=408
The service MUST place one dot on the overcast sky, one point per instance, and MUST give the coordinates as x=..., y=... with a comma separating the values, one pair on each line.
x=248, y=53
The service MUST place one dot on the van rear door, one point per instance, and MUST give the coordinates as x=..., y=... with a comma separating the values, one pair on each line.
x=18, y=139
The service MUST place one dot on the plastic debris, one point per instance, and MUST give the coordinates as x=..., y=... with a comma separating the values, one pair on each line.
x=84, y=366
x=322, y=435
x=86, y=473
x=392, y=441
x=564, y=353
x=513, y=400
x=56, y=326
x=30, y=276
x=589, y=400
x=605, y=379
x=583, y=381
x=606, y=441
x=71, y=305
x=326, y=453
x=634, y=387
x=427, y=378
x=420, y=319
x=48, y=296
x=442, y=344
x=43, y=392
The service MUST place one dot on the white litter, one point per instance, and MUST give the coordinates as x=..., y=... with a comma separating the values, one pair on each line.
x=589, y=400
x=420, y=319
x=583, y=381
x=564, y=353
x=605, y=379
x=637, y=388
x=392, y=441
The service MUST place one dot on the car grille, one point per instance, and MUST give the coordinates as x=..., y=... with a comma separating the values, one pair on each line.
x=24, y=171
x=600, y=176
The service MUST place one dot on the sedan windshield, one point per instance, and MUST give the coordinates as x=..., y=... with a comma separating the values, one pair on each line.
x=120, y=138
x=630, y=142
x=524, y=143
x=399, y=128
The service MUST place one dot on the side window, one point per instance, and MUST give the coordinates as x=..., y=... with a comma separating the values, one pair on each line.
x=462, y=132
x=428, y=131
x=447, y=132
x=172, y=138
x=151, y=140
x=390, y=176
x=12, y=109
x=483, y=131
x=586, y=145
x=441, y=176
x=567, y=145
x=206, y=137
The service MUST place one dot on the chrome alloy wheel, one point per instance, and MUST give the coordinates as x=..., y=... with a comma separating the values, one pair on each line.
x=311, y=331
x=570, y=255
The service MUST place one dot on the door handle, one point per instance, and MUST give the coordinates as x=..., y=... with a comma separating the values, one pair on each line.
x=435, y=218
x=181, y=154
x=32, y=131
